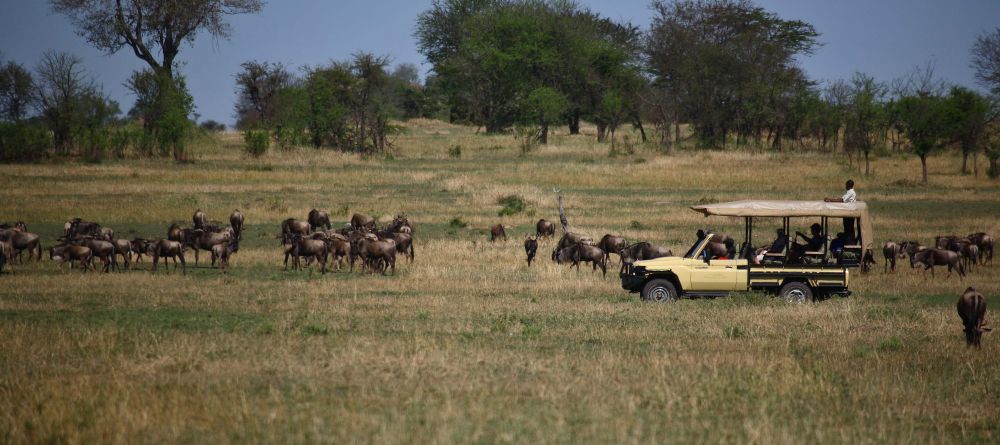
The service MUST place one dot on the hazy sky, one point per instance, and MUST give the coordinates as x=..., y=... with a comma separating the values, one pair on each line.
x=885, y=38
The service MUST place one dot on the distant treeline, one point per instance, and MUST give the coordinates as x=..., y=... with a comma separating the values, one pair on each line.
x=725, y=67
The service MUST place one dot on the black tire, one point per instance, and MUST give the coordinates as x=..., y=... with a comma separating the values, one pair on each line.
x=796, y=292
x=660, y=291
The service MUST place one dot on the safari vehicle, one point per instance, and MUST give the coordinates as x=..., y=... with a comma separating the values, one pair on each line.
x=810, y=275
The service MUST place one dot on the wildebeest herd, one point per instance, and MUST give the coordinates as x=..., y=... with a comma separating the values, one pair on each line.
x=315, y=241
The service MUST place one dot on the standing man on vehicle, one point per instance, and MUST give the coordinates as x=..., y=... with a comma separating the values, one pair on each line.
x=849, y=196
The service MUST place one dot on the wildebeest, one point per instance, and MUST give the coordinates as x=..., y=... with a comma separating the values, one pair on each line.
x=318, y=219
x=643, y=251
x=102, y=249
x=892, y=251
x=578, y=253
x=21, y=241
x=404, y=242
x=67, y=253
x=400, y=224
x=165, y=249
x=571, y=238
x=380, y=254
x=496, y=232
x=970, y=255
x=292, y=226
x=985, y=244
x=78, y=227
x=972, y=310
x=340, y=249
x=545, y=229
x=139, y=248
x=612, y=244
x=4, y=252
x=123, y=247
x=199, y=219
x=928, y=258
x=311, y=249
x=202, y=240
x=236, y=222
x=222, y=251
x=530, y=248
x=360, y=220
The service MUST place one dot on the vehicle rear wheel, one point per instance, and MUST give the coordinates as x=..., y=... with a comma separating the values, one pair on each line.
x=660, y=291
x=796, y=292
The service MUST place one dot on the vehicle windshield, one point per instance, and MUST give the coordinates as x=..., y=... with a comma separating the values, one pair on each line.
x=694, y=248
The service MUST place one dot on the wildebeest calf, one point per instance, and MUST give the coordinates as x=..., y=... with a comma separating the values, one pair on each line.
x=497, y=231
x=891, y=251
x=972, y=310
x=545, y=228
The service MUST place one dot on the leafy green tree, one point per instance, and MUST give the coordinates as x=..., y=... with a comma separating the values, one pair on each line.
x=543, y=107
x=866, y=116
x=727, y=63
x=967, y=116
x=922, y=119
x=164, y=106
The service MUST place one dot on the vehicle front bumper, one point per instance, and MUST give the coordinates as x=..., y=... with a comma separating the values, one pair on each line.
x=633, y=278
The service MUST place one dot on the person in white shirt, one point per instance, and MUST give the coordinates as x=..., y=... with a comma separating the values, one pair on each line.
x=849, y=196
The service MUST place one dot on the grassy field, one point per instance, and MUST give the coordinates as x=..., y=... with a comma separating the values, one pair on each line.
x=467, y=344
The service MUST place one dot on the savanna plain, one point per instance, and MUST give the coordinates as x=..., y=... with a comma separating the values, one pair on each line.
x=467, y=343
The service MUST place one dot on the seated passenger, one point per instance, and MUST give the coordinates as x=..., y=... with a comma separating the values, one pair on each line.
x=778, y=246
x=837, y=245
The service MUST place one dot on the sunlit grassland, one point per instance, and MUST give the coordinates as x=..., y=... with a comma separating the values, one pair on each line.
x=467, y=344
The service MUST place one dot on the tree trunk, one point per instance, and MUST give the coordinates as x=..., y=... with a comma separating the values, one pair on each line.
x=677, y=135
x=543, y=136
x=923, y=167
x=574, y=123
x=868, y=170
x=601, y=131
x=965, y=162
x=642, y=131
x=562, y=216
x=975, y=163
x=777, y=139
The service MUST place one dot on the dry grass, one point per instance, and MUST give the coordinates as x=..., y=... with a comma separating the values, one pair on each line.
x=467, y=344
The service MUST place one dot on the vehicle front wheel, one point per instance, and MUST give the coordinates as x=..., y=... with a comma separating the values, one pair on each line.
x=796, y=292
x=660, y=291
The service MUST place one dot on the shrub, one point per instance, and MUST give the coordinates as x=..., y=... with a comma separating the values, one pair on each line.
x=512, y=205
x=257, y=142
x=22, y=142
x=457, y=223
x=455, y=151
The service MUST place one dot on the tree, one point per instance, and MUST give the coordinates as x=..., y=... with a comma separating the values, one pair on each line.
x=866, y=116
x=986, y=60
x=543, y=107
x=730, y=65
x=967, y=116
x=164, y=105
x=921, y=117
x=61, y=83
x=151, y=28
x=257, y=87
x=16, y=88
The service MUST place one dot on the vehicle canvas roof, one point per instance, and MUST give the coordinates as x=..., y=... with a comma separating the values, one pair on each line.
x=781, y=209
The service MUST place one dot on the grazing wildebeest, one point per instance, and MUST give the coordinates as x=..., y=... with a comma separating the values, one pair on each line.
x=970, y=255
x=341, y=251
x=497, y=231
x=578, y=253
x=199, y=219
x=64, y=253
x=165, y=249
x=360, y=220
x=892, y=251
x=202, y=240
x=21, y=241
x=78, y=227
x=176, y=233
x=985, y=244
x=221, y=253
x=972, y=310
x=311, y=249
x=318, y=219
x=928, y=258
x=643, y=251
x=292, y=226
x=530, y=248
x=236, y=222
x=612, y=244
x=123, y=247
x=909, y=247
x=545, y=229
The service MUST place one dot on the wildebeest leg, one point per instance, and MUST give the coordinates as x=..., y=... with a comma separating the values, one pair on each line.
x=184, y=268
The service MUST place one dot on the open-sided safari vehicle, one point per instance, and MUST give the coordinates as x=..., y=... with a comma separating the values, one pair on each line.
x=793, y=272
